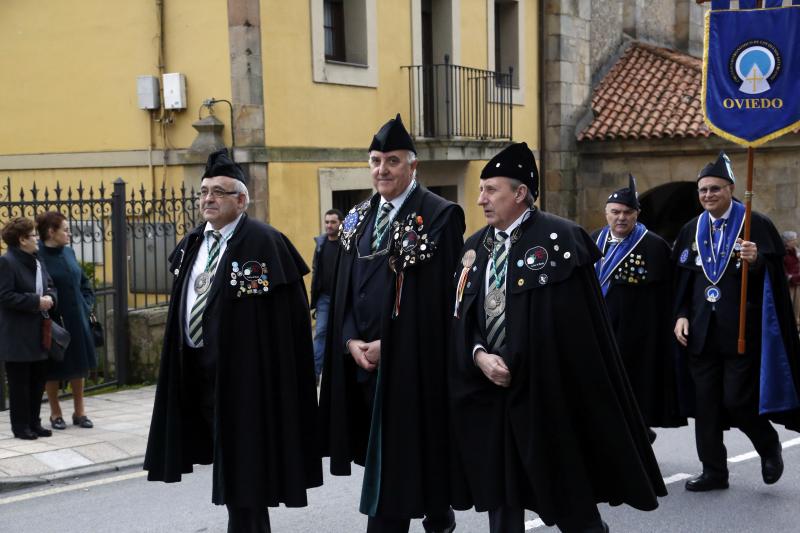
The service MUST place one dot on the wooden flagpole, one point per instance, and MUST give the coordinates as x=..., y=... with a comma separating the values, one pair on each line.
x=748, y=204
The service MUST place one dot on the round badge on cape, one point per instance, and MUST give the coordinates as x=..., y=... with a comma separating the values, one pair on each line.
x=468, y=259
x=684, y=256
x=698, y=261
x=713, y=293
x=409, y=241
x=252, y=270
x=536, y=258
x=350, y=221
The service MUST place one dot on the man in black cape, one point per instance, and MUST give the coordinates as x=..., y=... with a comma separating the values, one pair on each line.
x=544, y=417
x=726, y=388
x=236, y=383
x=383, y=399
x=635, y=275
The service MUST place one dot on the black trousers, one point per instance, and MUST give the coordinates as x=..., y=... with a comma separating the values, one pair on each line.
x=432, y=523
x=25, y=388
x=726, y=390
x=508, y=519
x=248, y=520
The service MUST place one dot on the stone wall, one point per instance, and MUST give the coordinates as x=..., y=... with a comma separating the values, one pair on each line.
x=603, y=167
x=605, y=33
x=146, y=337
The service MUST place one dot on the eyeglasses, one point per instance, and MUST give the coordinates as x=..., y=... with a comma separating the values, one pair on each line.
x=215, y=193
x=714, y=189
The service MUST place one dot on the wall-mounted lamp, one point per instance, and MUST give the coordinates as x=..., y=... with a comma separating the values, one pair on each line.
x=209, y=103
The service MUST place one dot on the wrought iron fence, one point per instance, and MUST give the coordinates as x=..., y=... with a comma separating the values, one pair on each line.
x=453, y=101
x=122, y=242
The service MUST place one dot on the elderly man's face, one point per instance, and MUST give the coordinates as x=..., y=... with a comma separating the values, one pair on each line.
x=621, y=218
x=391, y=172
x=220, y=202
x=715, y=195
x=501, y=204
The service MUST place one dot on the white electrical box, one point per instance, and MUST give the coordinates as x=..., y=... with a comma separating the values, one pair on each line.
x=147, y=92
x=174, y=91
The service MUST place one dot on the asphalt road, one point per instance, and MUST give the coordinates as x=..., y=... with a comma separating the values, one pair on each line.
x=125, y=502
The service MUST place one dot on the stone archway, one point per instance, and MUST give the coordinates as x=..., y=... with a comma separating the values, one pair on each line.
x=666, y=208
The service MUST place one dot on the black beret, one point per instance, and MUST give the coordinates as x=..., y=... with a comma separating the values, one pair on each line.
x=517, y=162
x=392, y=136
x=220, y=164
x=627, y=195
x=721, y=168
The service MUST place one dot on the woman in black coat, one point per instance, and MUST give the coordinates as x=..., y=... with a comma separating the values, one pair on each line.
x=75, y=304
x=26, y=291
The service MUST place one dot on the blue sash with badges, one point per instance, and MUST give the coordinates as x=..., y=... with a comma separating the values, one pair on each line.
x=714, y=262
x=608, y=263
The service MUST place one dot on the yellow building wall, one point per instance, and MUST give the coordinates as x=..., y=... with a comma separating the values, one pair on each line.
x=300, y=112
x=70, y=83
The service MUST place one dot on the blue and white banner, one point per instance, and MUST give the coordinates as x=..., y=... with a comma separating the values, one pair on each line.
x=751, y=72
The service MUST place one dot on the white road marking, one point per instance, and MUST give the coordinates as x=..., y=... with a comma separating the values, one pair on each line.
x=533, y=524
x=70, y=488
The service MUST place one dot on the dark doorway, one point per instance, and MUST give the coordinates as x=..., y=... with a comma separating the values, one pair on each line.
x=666, y=208
x=344, y=200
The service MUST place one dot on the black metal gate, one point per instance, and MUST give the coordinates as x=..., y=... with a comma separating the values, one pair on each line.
x=122, y=245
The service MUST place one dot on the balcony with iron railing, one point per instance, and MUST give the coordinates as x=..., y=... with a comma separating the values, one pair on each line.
x=454, y=102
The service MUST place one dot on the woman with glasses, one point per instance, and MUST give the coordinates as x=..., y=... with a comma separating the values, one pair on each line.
x=26, y=292
x=75, y=305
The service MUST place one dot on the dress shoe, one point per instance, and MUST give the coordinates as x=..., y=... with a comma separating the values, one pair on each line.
x=605, y=526
x=25, y=434
x=651, y=435
x=58, y=423
x=41, y=432
x=772, y=468
x=82, y=421
x=705, y=482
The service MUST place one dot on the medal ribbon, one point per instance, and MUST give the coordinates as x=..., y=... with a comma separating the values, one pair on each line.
x=609, y=263
x=714, y=264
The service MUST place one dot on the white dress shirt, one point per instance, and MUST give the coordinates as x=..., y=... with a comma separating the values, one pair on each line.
x=200, y=266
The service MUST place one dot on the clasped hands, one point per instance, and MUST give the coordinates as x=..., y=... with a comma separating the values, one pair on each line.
x=367, y=355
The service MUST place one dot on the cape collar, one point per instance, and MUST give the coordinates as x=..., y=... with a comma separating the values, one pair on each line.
x=606, y=265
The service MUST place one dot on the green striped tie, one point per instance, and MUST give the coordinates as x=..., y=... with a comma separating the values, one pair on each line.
x=196, y=318
x=496, y=326
x=381, y=224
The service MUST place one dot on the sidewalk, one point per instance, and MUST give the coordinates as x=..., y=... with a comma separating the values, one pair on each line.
x=118, y=439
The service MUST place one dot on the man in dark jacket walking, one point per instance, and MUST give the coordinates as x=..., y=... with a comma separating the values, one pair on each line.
x=236, y=383
x=322, y=270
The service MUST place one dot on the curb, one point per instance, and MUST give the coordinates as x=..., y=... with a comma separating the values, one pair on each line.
x=10, y=484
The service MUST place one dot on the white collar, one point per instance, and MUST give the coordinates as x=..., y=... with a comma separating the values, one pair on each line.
x=514, y=224
x=727, y=214
x=227, y=229
x=397, y=202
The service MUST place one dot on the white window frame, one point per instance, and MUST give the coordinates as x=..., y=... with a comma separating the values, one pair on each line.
x=517, y=93
x=336, y=72
x=340, y=179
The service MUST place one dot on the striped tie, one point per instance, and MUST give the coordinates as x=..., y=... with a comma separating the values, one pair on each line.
x=381, y=224
x=196, y=318
x=496, y=326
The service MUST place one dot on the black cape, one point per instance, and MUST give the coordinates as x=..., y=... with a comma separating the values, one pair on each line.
x=690, y=279
x=265, y=403
x=412, y=392
x=638, y=303
x=567, y=432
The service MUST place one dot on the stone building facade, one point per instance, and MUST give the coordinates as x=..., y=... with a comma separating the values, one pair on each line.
x=622, y=94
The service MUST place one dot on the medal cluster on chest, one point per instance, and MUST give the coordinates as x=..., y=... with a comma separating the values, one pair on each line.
x=632, y=270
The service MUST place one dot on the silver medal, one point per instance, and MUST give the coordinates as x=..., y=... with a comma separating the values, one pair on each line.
x=202, y=282
x=495, y=303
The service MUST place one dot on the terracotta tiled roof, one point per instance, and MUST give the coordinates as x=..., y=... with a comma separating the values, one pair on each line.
x=650, y=93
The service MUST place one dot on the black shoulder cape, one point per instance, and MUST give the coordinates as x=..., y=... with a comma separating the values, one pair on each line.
x=567, y=433
x=263, y=450
x=783, y=330
x=639, y=305
x=412, y=392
